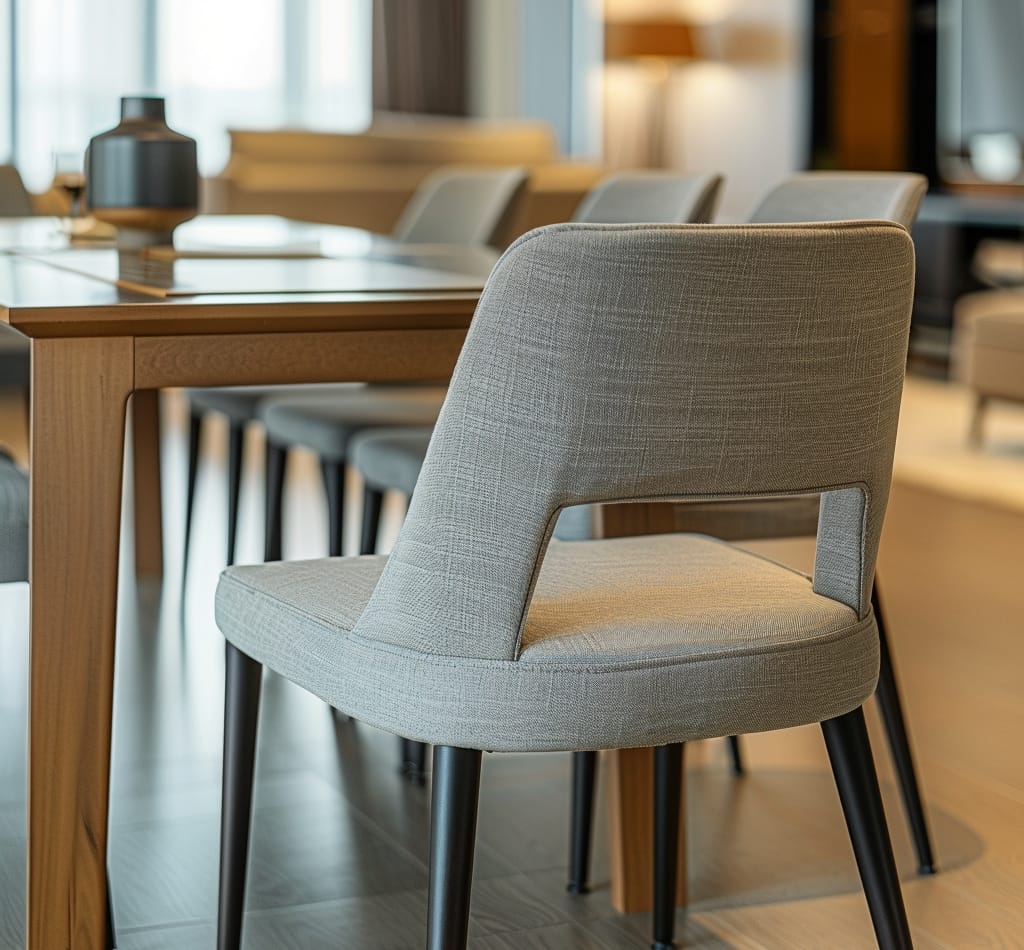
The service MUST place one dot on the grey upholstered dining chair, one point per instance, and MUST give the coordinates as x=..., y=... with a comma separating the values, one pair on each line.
x=326, y=425
x=390, y=459
x=613, y=363
x=456, y=205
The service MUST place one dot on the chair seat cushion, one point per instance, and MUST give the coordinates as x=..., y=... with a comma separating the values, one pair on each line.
x=391, y=458
x=240, y=403
x=628, y=642
x=326, y=422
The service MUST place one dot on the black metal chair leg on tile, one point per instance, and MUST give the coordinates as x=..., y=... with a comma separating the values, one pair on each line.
x=735, y=755
x=413, y=764
x=899, y=745
x=243, y=678
x=236, y=437
x=668, y=774
x=277, y=457
x=849, y=750
x=370, y=526
x=453, y=812
x=195, y=426
x=584, y=780
x=334, y=483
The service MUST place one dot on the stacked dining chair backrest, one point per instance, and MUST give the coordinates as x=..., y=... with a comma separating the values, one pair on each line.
x=650, y=197
x=843, y=196
x=700, y=379
x=459, y=205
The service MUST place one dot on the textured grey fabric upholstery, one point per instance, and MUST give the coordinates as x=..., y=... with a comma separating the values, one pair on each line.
x=458, y=205
x=808, y=196
x=655, y=197
x=843, y=196
x=621, y=363
x=13, y=521
x=325, y=422
x=723, y=643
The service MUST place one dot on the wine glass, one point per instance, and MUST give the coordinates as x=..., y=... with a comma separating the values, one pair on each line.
x=69, y=175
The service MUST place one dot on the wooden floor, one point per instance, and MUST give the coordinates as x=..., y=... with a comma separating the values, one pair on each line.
x=340, y=843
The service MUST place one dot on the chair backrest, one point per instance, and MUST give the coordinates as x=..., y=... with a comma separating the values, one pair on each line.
x=843, y=196
x=650, y=197
x=609, y=363
x=14, y=197
x=461, y=206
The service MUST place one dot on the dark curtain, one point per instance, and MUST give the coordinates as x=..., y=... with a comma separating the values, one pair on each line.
x=419, y=56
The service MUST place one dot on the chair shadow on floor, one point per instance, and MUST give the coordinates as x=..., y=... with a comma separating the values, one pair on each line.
x=774, y=835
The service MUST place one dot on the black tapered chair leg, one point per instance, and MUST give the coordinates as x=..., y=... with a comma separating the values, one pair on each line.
x=242, y=681
x=195, y=426
x=276, y=462
x=668, y=777
x=334, y=483
x=111, y=929
x=849, y=751
x=453, y=811
x=413, y=761
x=735, y=755
x=584, y=780
x=370, y=528
x=236, y=437
x=888, y=695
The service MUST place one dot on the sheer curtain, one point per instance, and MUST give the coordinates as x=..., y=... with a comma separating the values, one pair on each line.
x=219, y=64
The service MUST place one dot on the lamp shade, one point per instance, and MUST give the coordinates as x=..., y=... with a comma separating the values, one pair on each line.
x=660, y=39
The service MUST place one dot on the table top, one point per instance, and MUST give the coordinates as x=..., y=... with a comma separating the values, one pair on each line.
x=233, y=274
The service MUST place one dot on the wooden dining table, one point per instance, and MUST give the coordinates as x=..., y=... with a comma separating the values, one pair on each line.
x=238, y=301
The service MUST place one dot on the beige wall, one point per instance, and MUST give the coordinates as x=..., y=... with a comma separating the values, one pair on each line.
x=740, y=108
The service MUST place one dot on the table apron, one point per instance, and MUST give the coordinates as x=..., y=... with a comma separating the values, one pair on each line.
x=277, y=358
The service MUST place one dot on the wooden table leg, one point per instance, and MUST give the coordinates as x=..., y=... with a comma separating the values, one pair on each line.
x=79, y=395
x=149, y=552
x=630, y=782
x=630, y=772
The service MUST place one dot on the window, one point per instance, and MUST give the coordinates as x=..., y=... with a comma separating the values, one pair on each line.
x=219, y=64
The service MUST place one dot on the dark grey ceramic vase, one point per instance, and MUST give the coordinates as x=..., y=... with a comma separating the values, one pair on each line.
x=142, y=176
